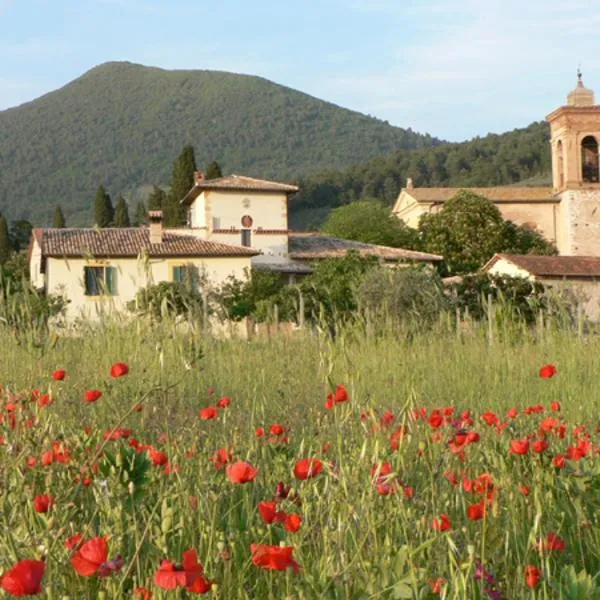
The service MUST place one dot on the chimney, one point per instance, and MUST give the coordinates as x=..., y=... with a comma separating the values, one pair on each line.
x=198, y=177
x=409, y=184
x=155, y=218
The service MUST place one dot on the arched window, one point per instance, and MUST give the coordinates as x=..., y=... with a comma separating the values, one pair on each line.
x=560, y=165
x=589, y=160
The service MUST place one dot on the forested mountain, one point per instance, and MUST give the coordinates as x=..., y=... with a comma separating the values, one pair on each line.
x=522, y=155
x=122, y=125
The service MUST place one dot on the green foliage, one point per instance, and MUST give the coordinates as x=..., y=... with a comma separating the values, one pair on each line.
x=412, y=296
x=182, y=181
x=20, y=234
x=370, y=221
x=469, y=230
x=103, y=209
x=520, y=299
x=256, y=296
x=141, y=214
x=578, y=586
x=122, y=213
x=157, y=199
x=5, y=246
x=58, y=220
x=167, y=299
x=141, y=117
x=213, y=171
x=522, y=154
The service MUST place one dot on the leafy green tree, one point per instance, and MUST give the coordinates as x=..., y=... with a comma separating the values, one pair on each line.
x=103, y=209
x=213, y=171
x=141, y=214
x=121, y=213
x=20, y=234
x=157, y=199
x=182, y=181
x=370, y=221
x=4, y=241
x=521, y=239
x=466, y=232
x=58, y=220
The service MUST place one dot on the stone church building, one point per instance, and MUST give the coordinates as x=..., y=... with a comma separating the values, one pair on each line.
x=568, y=213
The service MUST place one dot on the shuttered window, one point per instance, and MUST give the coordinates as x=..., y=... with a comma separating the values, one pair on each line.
x=100, y=281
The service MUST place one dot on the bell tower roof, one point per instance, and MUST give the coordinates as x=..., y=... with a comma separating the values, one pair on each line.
x=581, y=96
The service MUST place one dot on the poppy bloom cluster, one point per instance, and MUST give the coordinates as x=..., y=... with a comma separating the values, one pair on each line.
x=188, y=575
x=340, y=395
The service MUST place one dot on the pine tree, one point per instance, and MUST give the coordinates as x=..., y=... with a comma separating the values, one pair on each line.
x=157, y=199
x=213, y=171
x=182, y=181
x=58, y=220
x=141, y=214
x=103, y=208
x=4, y=241
x=122, y=213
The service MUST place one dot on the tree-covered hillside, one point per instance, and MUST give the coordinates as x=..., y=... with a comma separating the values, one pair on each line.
x=522, y=155
x=122, y=125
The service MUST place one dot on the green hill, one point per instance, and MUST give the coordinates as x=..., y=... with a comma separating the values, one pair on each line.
x=122, y=125
x=522, y=155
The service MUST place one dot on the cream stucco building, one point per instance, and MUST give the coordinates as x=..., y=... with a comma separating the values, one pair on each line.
x=235, y=224
x=568, y=213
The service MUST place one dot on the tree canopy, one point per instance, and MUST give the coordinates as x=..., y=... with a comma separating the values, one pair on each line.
x=58, y=219
x=121, y=213
x=103, y=209
x=213, y=171
x=182, y=181
x=370, y=221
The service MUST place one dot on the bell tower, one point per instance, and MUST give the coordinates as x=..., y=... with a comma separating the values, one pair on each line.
x=575, y=139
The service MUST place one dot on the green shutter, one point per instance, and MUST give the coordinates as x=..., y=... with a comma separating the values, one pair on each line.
x=111, y=281
x=178, y=274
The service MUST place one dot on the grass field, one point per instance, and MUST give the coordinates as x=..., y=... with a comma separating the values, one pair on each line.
x=426, y=483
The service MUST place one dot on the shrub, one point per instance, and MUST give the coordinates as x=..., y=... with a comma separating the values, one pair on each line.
x=167, y=299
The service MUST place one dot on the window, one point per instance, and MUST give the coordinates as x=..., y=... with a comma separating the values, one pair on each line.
x=186, y=274
x=589, y=159
x=100, y=281
x=247, y=237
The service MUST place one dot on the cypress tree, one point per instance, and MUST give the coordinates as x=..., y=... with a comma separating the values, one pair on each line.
x=213, y=171
x=58, y=220
x=141, y=214
x=157, y=199
x=122, y=213
x=182, y=181
x=103, y=208
x=4, y=241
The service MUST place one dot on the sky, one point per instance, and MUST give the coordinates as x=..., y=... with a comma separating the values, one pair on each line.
x=453, y=68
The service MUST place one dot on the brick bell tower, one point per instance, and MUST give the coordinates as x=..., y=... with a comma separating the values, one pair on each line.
x=575, y=139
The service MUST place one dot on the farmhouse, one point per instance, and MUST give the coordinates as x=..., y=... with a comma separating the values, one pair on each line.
x=578, y=275
x=568, y=213
x=234, y=224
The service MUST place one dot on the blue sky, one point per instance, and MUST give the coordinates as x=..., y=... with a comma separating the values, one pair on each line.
x=453, y=68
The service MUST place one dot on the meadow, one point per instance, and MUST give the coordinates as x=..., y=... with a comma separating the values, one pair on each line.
x=147, y=462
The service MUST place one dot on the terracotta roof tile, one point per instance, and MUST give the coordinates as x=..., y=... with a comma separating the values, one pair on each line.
x=496, y=194
x=552, y=266
x=238, y=183
x=129, y=242
x=314, y=247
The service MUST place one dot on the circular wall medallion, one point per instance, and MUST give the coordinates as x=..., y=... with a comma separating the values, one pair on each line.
x=247, y=221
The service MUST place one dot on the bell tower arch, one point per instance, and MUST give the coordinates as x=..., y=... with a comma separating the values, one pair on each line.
x=575, y=142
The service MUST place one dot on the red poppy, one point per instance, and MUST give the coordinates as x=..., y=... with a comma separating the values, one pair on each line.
x=442, y=523
x=476, y=512
x=260, y=432
x=555, y=406
x=525, y=490
x=269, y=512
x=158, y=458
x=340, y=395
x=208, y=413
x=189, y=575
x=532, y=576
x=548, y=371
x=45, y=400
x=552, y=543
x=307, y=468
x=73, y=542
x=241, y=472
x=437, y=585
x=90, y=557
x=539, y=446
x=490, y=418
x=277, y=429
x=512, y=413
x=143, y=593
x=92, y=395
x=224, y=402
x=436, y=420
x=43, y=503
x=276, y=558
x=292, y=523
x=519, y=447
x=25, y=578
x=59, y=375
x=220, y=458
x=119, y=369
